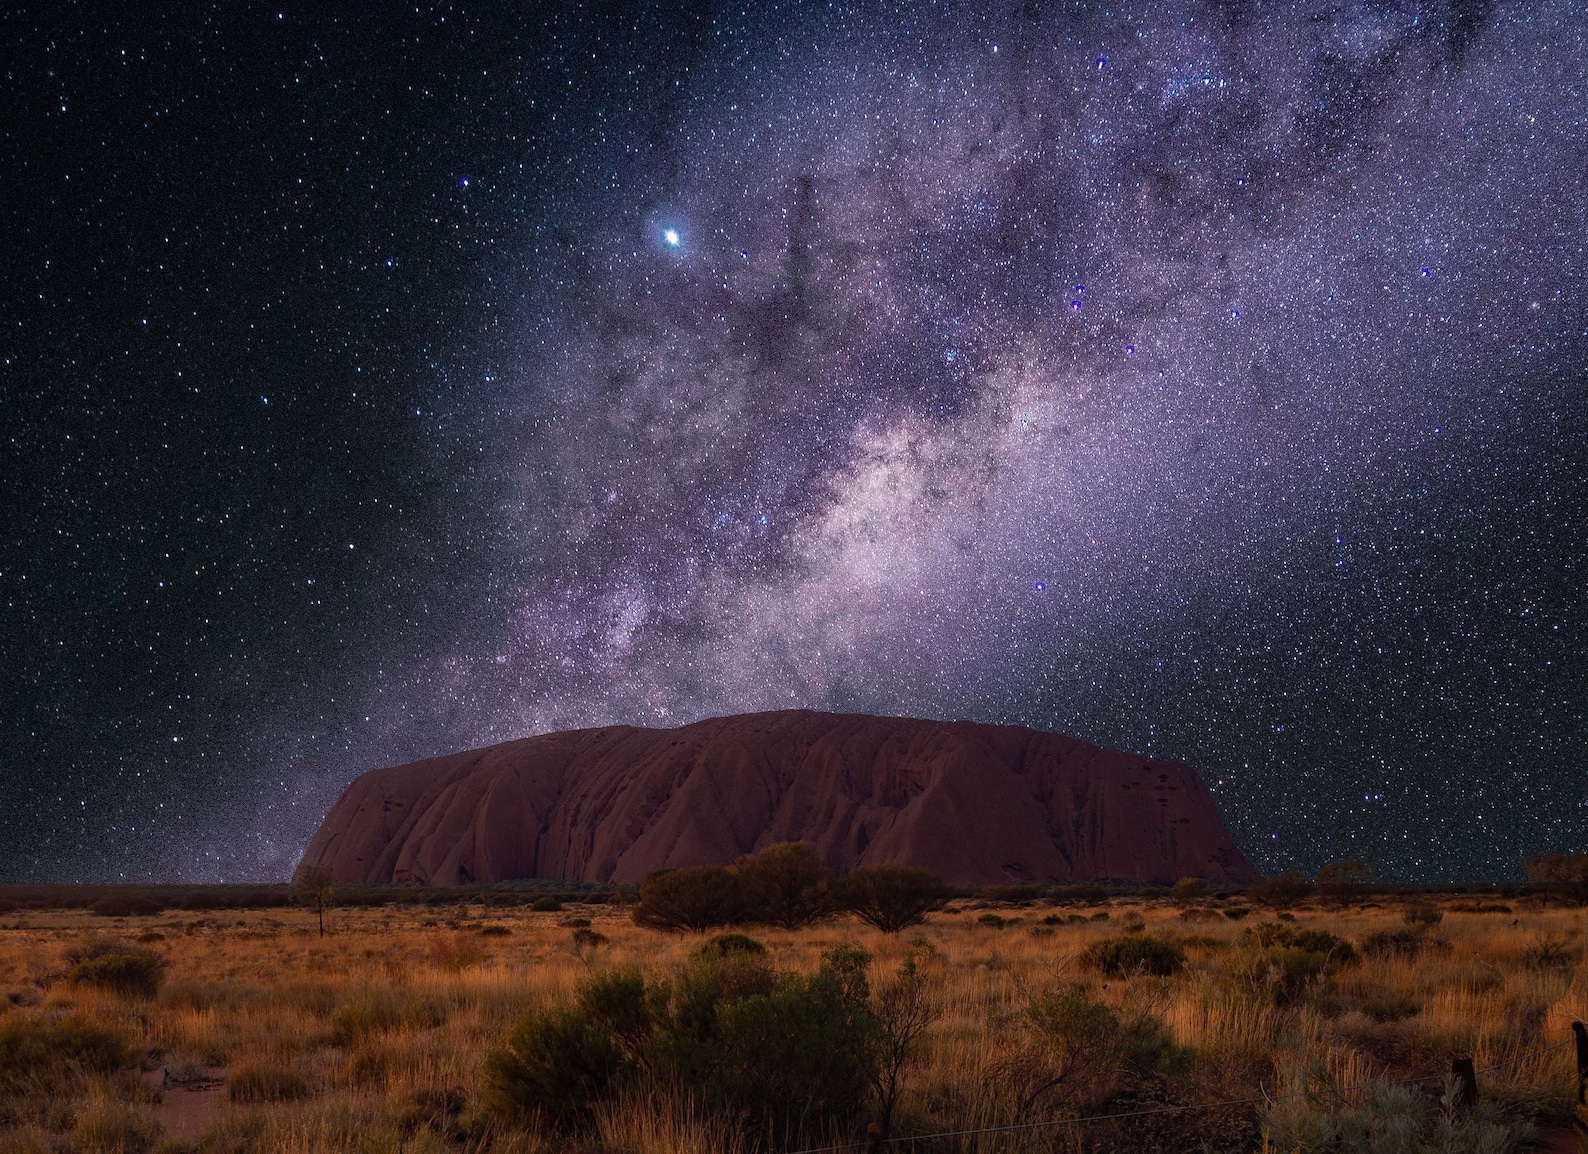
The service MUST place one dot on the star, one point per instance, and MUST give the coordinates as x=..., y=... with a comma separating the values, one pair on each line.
x=670, y=236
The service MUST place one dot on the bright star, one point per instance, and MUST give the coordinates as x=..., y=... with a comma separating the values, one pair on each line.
x=671, y=237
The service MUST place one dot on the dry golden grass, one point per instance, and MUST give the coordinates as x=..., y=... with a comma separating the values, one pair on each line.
x=266, y=1036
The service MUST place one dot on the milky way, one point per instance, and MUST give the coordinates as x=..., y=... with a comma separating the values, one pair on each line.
x=1206, y=381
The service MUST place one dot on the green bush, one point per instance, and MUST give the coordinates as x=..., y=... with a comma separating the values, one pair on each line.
x=546, y=905
x=1134, y=954
x=128, y=970
x=892, y=898
x=785, y=885
x=699, y=898
x=1288, y=963
x=786, y=1054
x=803, y=1051
x=35, y=1051
x=555, y=1068
x=1337, y=950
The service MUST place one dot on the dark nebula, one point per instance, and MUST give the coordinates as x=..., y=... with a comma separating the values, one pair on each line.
x=1205, y=380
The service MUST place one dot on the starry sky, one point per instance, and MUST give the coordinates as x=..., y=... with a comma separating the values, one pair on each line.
x=1205, y=380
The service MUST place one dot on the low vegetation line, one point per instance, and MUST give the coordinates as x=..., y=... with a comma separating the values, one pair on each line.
x=1266, y=1099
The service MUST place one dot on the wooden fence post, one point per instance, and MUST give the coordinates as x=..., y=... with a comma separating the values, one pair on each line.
x=1462, y=1069
x=1582, y=1062
x=1581, y=1031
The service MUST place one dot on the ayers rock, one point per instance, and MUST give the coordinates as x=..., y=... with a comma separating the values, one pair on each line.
x=977, y=804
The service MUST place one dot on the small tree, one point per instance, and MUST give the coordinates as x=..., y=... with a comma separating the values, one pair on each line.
x=1565, y=873
x=906, y=1007
x=892, y=898
x=1279, y=893
x=698, y=898
x=316, y=886
x=1344, y=882
x=786, y=885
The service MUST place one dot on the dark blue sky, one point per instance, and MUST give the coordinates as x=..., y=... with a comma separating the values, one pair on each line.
x=1202, y=380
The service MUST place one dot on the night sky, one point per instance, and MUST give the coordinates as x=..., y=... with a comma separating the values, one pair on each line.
x=1209, y=381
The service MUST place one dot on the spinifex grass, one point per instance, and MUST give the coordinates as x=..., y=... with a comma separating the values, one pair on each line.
x=373, y=1037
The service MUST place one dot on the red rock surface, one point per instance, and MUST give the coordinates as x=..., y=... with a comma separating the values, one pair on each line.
x=977, y=804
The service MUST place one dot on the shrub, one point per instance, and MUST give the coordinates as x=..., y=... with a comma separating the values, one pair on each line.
x=129, y=970
x=1280, y=892
x=1236, y=913
x=726, y=945
x=584, y=938
x=456, y=951
x=266, y=1084
x=1562, y=873
x=1068, y=1049
x=546, y=905
x=1406, y=943
x=1424, y=915
x=125, y=905
x=1134, y=954
x=1287, y=962
x=698, y=899
x=801, y=1053
x=1550, y=952
x=494, y=931
x=1189, y=891
x=34, y=1051
x=892, y=898
x=1337, y=949
x=785, y=885
x=783, y=1053
x=1344, y=882
x=992, y=921
x=555, y=1067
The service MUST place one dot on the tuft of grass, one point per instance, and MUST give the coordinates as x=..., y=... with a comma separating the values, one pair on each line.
x=455, y=951
x=1134, y=953
x=253, y=1084
x=36, y=1052
x=130, y=972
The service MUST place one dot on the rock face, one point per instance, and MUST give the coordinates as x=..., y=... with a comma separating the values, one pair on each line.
x=976, y=804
